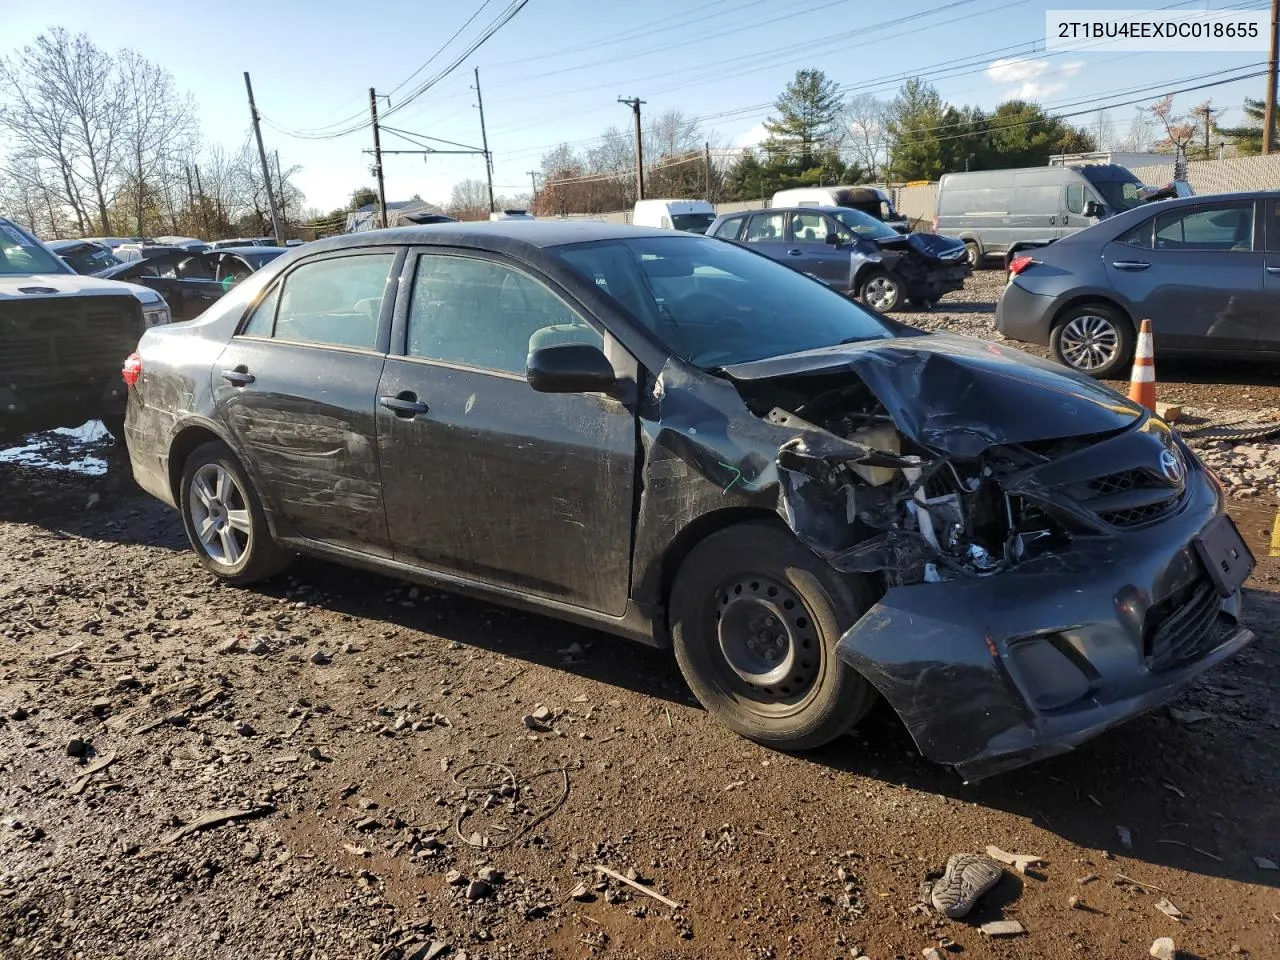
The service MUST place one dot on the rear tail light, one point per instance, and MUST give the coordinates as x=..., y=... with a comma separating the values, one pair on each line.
x=132, y=369
x=1018, y=264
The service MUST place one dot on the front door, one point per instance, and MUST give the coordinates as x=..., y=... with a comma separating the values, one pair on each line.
x=297, y=390
x=826, y=261
x=484, y=478
x=1196, y=273
x=1269, y=324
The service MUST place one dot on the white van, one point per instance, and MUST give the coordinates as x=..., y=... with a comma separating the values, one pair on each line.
x=512, y=215
x=870, y=200
x=691, y=216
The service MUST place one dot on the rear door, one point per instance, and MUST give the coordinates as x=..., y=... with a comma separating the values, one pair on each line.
x=1197, y=273
x=1034, y=209
x=297, y=387
x=485, y=478
x=1269, y=322
x=767, y=233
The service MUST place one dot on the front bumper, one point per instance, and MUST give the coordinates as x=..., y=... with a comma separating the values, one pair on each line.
x=990, y=673
x=1025, y=316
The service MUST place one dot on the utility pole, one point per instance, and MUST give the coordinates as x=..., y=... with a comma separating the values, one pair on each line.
x=204, y=210
x=484, y=140
x=284, y=213
x=1269, y=118
x=533, y=196
x=191, y=200
x=706, y=158
x=634, y=103
x=377, y=159
x=276, y=225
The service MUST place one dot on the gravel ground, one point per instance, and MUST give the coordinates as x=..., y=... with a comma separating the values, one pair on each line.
x=339, y=765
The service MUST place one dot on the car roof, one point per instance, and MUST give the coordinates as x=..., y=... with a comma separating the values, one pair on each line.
x=510, y=235
x=823, y=208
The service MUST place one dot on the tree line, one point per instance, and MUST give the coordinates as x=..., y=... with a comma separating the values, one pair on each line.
x=106, y=144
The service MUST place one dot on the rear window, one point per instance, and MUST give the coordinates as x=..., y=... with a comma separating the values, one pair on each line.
x=974, y=202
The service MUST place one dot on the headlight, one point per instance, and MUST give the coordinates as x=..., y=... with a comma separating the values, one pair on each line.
x=154, y=314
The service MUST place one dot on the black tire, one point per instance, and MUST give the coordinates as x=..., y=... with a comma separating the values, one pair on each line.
x=975, y=254
x=738, y=580
x=259, y=556
x=1069, y=327
x=881, y=291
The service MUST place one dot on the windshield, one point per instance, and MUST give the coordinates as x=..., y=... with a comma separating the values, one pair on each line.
x=21, y=254
x=865, y=225
x=692, y=222
x=1120, y=195
x=88, y=258
x=714, y=304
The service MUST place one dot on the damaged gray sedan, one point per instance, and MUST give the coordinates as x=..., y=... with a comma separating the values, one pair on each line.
x=682, y=442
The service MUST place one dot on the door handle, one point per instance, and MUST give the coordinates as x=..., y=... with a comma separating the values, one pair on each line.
x=406, y=405
x=1131, y=264
x=239, y=377
x=1273, y=269
x=1052, y=220
x=795, y=253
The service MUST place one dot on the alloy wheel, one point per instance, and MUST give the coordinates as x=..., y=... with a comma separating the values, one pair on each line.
x=881, y=294
x=220, y=515
x=1089, y=342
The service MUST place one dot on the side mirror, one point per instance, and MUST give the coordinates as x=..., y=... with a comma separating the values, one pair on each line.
x=833, y=239
x=569, y=368
x=1093, y=209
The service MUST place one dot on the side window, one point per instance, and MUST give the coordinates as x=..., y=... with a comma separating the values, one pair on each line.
x=765, y=226
x=1208, y=228
x=263, y=319
x=336, y=301
x=1075, y=198
x=1139, y=236
x=1035, y=201
x=809, y=227
x=478, y=313
x=729, y=229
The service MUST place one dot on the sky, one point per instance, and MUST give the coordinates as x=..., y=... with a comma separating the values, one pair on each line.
x=554, y=73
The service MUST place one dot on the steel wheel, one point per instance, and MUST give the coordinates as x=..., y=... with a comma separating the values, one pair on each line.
x=219, y=513
x=767, y=641
x=1089, y=342
x=880, y=293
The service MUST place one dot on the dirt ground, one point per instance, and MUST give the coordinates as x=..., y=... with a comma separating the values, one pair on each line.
x=388, y=798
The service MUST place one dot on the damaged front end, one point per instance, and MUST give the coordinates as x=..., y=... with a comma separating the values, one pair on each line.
x=1038, y=542
x=928, y=265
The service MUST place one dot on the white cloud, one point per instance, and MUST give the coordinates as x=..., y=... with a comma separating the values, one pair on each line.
x=750, y=138
x=1026, y=73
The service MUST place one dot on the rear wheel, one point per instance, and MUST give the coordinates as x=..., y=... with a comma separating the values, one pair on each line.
x=881, y=291
x=224, y=519
x=1093, y=338
x=755, y=618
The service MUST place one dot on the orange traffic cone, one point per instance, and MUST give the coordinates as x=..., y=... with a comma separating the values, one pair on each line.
x=1142, y=383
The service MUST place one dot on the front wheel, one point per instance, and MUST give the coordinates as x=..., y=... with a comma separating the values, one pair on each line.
x=1095, y=339
x=881, y=292
x=224, y=520
x=755, y=618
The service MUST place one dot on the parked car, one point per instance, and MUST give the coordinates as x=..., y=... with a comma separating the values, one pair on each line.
x=853, y=253
x=1204, y=270
x=810, y=503
x=84, y=256
x=991, y=209
x=506, y=215
x=190, y=282
x=691, y=216
x=60, y=337
x=872, y=201
x=238, y=242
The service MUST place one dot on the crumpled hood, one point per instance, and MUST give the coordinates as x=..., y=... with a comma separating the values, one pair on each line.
x=928, y=245
x=70, y=285
x=959, y=396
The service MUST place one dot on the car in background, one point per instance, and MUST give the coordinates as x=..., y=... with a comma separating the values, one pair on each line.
x=190, y=282
x=84, y=256
x=691, y=216
x=194, y=244
x=242, y=242
x=61, y=335
x=826, y=507
x=853, y=253
x=507, y=215
x=872, y=201
x=1204, y=270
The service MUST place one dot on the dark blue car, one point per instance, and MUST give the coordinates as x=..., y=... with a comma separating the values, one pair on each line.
x=853, y=252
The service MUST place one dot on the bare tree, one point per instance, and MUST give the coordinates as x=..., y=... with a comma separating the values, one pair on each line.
x=158, y=126
x=1103, y=129
x=469, y=200
x=1138, y=137
x=864, y=120
x=1178, y=131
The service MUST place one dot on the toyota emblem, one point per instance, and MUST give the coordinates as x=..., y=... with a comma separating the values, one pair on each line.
x=1171, y=466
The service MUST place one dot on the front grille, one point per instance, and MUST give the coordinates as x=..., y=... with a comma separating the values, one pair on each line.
x=1137, y=516
x=1179, y=629
x=53, y=340
x=1120, y=482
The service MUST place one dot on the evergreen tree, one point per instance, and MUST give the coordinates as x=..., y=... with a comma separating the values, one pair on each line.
x=807, y=118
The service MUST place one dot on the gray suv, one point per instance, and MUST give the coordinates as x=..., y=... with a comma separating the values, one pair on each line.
x=1204, y=270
